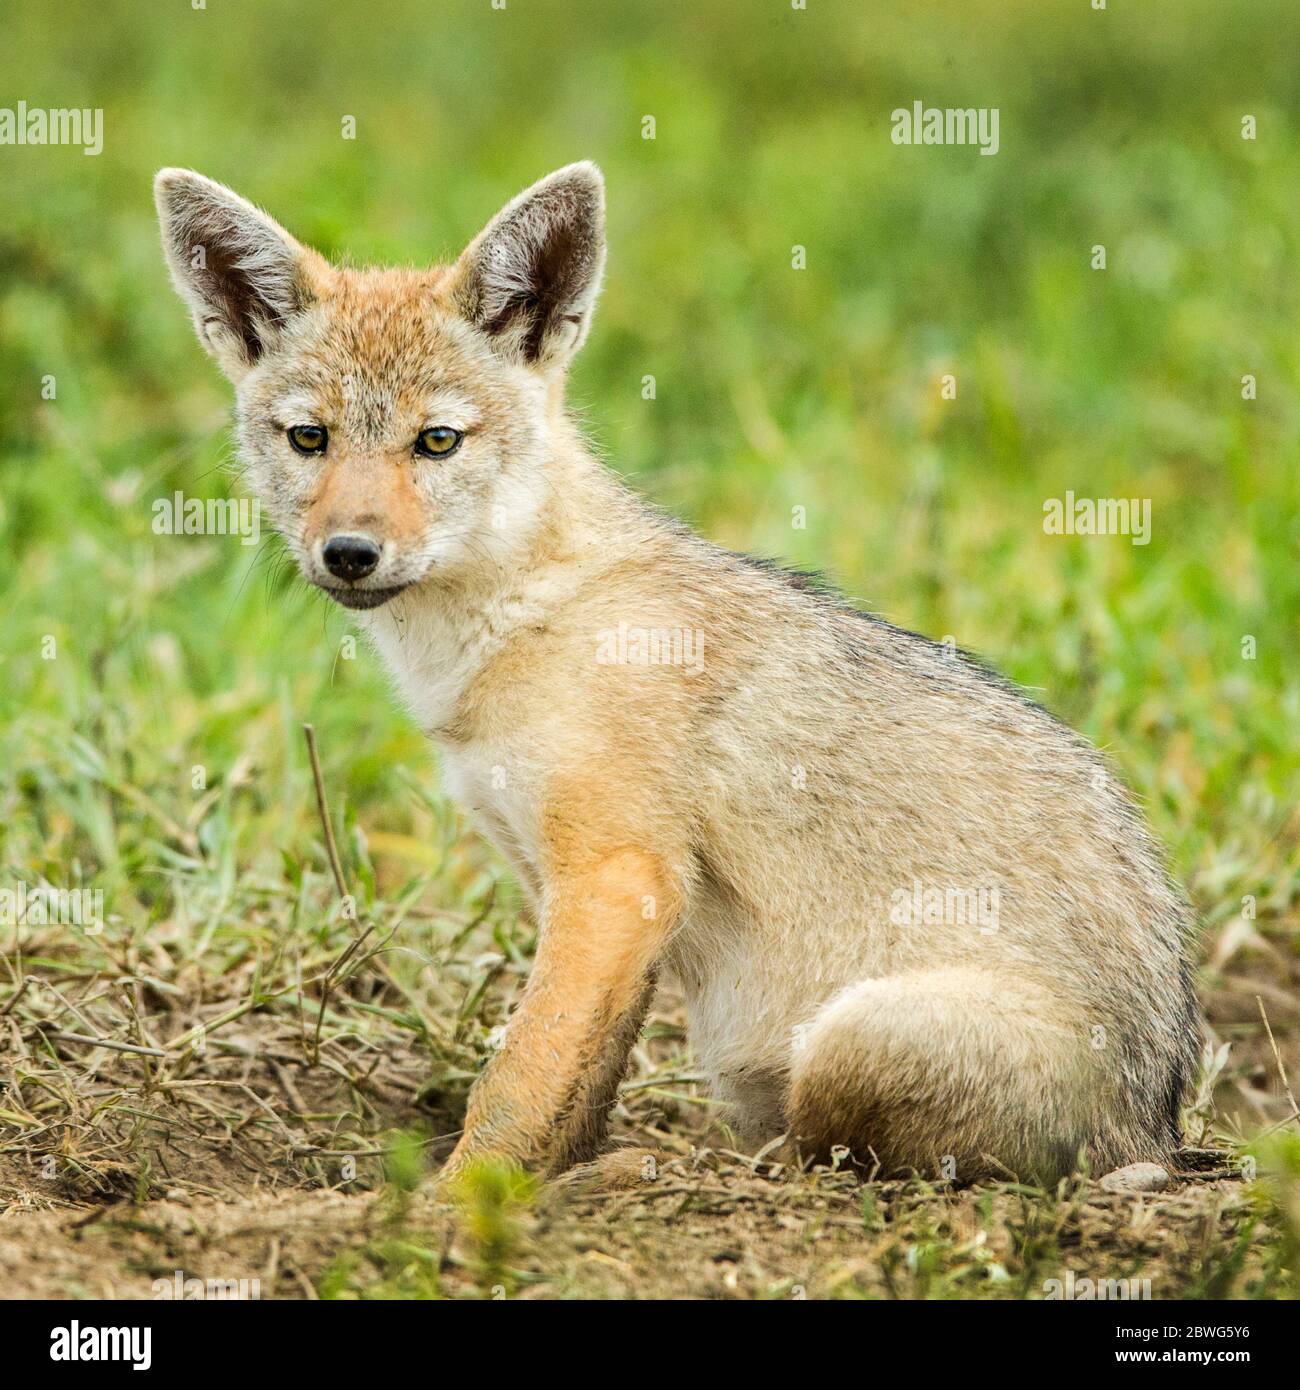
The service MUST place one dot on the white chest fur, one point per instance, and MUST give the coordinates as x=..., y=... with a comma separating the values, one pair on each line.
x=483, y=780
x=432, y=658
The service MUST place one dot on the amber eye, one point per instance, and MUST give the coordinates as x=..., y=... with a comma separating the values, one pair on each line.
x=309, y=439
x=438, y=442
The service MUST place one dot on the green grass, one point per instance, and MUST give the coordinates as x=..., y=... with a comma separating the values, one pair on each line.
x=152, y=688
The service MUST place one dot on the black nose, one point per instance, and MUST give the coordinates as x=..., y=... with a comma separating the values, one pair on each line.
x=350, y=557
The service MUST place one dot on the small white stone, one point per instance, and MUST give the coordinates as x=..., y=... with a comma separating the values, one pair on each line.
x=1137, y=1177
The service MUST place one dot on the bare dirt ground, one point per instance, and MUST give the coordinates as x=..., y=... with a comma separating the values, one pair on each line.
x=256, y=1109
x=712, y=1231
x=278, y=1167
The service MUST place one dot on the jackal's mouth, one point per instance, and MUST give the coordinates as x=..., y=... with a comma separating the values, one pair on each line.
x=362, y=598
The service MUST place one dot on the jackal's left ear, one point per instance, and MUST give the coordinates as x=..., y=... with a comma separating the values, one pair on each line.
x=242, y=275
x=531, y=276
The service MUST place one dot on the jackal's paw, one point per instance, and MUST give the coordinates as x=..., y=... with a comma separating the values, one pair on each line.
x=615, y=1171
x=474, y=1176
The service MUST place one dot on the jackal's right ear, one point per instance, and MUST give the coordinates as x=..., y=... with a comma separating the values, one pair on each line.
x=530, y=278
x=242, y=275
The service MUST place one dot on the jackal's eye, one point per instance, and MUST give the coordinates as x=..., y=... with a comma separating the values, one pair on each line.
x=438, y=442
x=308, y=439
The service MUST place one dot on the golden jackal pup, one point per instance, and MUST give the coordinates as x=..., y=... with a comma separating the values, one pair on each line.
x=910, y=913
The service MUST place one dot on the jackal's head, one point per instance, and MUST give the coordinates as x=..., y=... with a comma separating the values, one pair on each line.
x=396, y=424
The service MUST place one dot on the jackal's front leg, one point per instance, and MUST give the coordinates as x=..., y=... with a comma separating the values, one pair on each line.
x=605, y=921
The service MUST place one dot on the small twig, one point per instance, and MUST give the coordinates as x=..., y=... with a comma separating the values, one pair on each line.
x=348, y=952
x=258, y=1001
x=70, y=1008
x=1273, y=1128
x=331, y=848
x=654, y=1082
x=474, y=922
x=1277, y=1056
x=15, y=997
x=322, y=806
x=141, y=1036
x=199, y=1029
x=287, y=1086
x=111, y=1043
x=97, y=1214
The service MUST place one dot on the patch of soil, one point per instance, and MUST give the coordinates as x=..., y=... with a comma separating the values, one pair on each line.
x=702, y=1228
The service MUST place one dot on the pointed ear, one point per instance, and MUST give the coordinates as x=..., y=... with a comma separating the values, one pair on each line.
x=242, y=275
x=530, y=279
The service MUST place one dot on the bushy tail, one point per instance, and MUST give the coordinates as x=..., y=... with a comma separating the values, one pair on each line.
x=959, y=1073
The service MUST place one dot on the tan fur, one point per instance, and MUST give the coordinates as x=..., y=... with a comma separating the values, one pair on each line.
x=747, y=821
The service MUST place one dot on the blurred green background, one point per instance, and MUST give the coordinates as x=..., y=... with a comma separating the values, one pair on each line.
x=776, y=388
